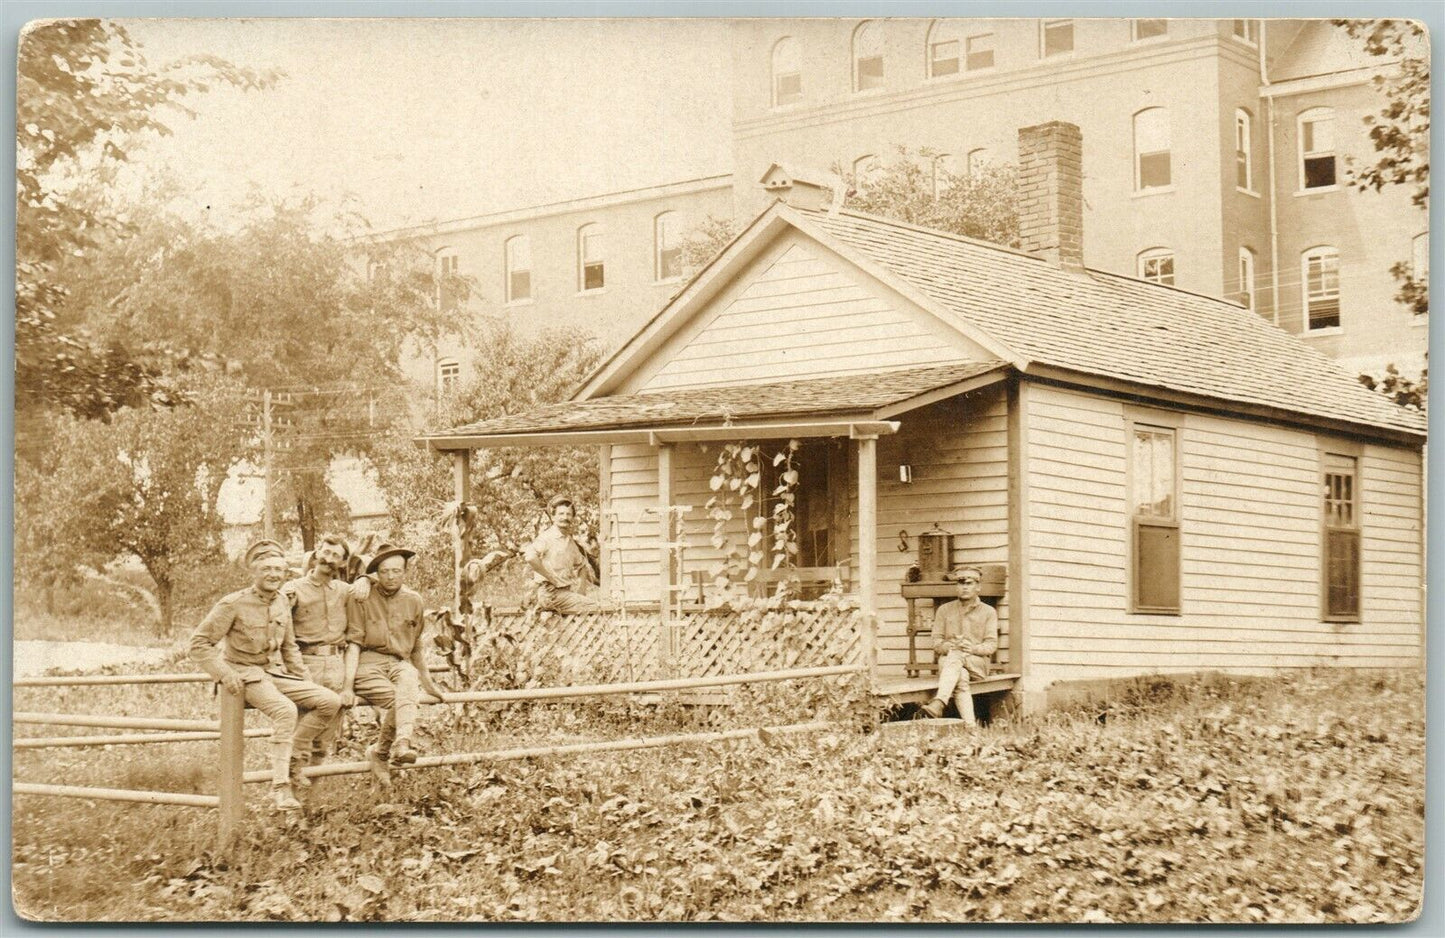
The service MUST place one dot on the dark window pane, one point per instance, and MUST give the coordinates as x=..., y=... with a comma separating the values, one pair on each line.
x=944, y=58
x=1156, y=568
x=1153, y=170
x=982, y=58
x=1342, y=554
x=1148, y=29
x=1058, y=37
x=870, y=72
x=790, y=88
x=1324, y=313
x=1319, y=171
x=669, y=263
x=520, y=285
x=592, y=276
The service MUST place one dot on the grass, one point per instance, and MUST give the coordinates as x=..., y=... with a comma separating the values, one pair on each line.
x=1296, y=799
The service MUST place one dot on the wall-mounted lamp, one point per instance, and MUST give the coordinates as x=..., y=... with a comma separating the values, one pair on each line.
x=905, y=473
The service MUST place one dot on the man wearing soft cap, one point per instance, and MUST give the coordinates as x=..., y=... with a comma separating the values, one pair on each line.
x=261, y=661
x=965, y=632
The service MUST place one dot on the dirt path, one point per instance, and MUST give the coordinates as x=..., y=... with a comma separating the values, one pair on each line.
x=36, y=657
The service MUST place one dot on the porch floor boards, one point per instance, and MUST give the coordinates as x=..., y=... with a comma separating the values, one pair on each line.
x=901, y=690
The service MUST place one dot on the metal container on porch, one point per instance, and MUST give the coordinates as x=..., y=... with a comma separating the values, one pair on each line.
x=935, y=552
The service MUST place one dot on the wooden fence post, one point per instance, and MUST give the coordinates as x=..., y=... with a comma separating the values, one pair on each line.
x=231, y=767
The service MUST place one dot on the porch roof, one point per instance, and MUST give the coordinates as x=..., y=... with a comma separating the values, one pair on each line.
x=834, y=406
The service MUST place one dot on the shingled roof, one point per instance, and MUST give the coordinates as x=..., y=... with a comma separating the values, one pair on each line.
x=853, y=395
x=1112, y=326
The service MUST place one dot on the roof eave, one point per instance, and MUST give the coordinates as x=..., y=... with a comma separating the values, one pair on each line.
x=853, y=427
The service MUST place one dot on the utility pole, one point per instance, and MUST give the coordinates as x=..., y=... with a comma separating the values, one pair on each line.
x=269, y=451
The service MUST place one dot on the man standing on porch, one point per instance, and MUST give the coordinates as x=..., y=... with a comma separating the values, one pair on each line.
x=561, y=566
x=965, y=632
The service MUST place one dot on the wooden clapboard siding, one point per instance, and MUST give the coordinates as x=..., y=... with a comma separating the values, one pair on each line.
x=801, y=312
x=1250, y=549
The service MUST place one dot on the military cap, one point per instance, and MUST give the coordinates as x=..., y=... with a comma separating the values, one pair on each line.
x=262, y=549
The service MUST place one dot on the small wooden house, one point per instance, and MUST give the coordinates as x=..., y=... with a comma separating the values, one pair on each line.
x=1165, y=481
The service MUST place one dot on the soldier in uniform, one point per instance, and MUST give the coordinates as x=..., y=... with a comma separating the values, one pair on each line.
x=385, y=665
x=561, y=567
x=317, y=602
x=965, y=632
x=260, y=660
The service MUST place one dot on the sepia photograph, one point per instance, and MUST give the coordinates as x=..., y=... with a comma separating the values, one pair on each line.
x=767, y=469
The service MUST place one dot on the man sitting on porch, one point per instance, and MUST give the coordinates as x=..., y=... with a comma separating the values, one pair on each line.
x=965, y=633
x=561, y=566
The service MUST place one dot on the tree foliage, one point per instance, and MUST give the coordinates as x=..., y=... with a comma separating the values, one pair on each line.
x=1399, y=388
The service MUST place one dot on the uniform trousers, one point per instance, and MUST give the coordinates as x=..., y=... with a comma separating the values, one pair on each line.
x=954, y=670
x=564, y=602
x=280, y=698
x=330, y=672
x=392, y=683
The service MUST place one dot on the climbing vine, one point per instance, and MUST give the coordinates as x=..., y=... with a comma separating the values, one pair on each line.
x=737, y=494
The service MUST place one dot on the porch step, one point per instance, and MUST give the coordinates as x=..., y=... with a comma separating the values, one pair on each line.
x=926, y=727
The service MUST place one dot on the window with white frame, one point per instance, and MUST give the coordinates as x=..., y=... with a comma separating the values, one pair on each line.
x=449, y=374
x=1154, y=518
x=1317, y=148
x=1320, y=273
x=787, y=72
x=667, y=246
x=867, y=56
x=1151, y=149
x=977, y=159
x=1247, y=31
x=940, y=171
x=447, y=264
x=591, y=246
x=979, y=52
x=945, y=48
x=1246, y=277
x=519, y=269
x=1156, y=265
x=1143, y=29
x=1243, y=150
x=1057, y=38
x=1341, y=566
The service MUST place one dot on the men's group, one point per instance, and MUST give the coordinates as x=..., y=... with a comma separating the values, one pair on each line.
x=301, y=651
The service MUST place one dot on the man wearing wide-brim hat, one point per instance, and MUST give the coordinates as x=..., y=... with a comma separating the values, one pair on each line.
x=965, y=634
x=261, y=662
x=385, y=661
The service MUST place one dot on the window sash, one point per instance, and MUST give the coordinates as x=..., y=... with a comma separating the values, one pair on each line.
x=943, y=58
x=1246, y=277
x=1156, y=568
x=870, y=73
x=1058, y=37
x=1157, y=268
x=1322, y=290
x=1150, y=28
x=1243, y=158
x=979, y=52
x=1247, y=31
x=788, y=87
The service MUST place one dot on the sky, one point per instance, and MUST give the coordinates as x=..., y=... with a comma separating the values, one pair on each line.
x=424, y=120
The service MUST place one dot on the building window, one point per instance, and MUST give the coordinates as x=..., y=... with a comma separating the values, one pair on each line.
x=1420, y=257
x=1058, y=37
x=449, y=374
x=867, y=56
x=940, y=175
x=667, y=246
x=980, y=52
x=1156, y=265
x=519, y=269
x=1320, y=271
x=863, y=167
x=1243, y=151
x=590, y=248
x=1246, y=277
x=1154, y=519
x=1151, y=149
x=1317, y=148
x=1247, y=31
x=944, y=48
x=1150, y=29
x=446, y=273
x=787, y=72
x=1341, y=565
x=977, y=159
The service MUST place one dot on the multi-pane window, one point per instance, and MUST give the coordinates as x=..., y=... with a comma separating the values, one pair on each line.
x=1157, y=266
x=945, y=49
x=1247, y=31
x=1246, y=277
x=519, y=269
x=449, y=373
x=980, y=52
x=1320, y=272
x=1341, y=585
x=446, y=286
x=977, y=159
x=1154, y=518
x=867, y=56
x=787, y=72
x=590, y=246
x=667, y=246
x=1151, y=149
x=1058, y=37
x=1243, y=151
x=1150, y=29
x=1317, y=148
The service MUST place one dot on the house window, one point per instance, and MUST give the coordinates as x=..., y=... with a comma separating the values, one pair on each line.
x=1058, y=37
x=519, y=269
x=1246, y=277
x=1154, y=519
x=1150, y=29
x=787, y=72
x=667, y=246
x=980, y=52
x=1341, y=565
x=1151, y=149
x=446, y=273
x=1320, y=271
x=449, y=373
x=1317, y=148
x=867, y=56
x=1156, y=265
x=944, y=49
x=1243, y=151
x=1247, y=31
x=940, y=174
x=977, y=159
x=590, y=245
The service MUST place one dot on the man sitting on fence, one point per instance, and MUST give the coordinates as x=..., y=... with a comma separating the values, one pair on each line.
x=262, y=662
x=385, y=665
x=318, y=612
x=965, y=633
x=562, y=568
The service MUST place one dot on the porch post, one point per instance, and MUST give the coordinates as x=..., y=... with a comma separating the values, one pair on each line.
x=462, y=490
x=664, y=558
x=868, y=549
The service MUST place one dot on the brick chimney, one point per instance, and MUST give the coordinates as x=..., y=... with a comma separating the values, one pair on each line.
x=1051, y=193
x=809, y=189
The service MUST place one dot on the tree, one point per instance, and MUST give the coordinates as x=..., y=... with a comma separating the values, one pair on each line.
x=84, y=96
x=143, y=484
x=1399, y=388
